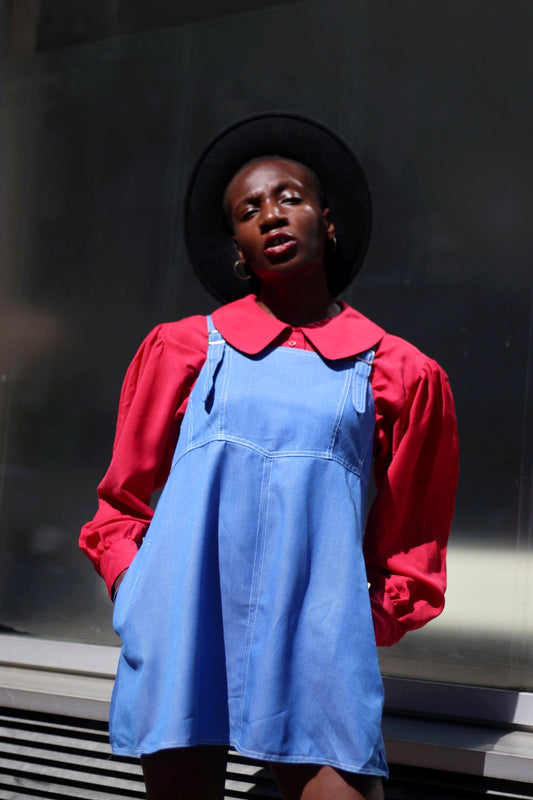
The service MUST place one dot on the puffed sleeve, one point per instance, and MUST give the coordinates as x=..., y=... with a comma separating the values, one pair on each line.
x=415, y=471
x=152, y=402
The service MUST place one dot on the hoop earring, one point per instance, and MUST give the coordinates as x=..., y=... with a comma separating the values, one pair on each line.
x=333, y=240
x=240, y=271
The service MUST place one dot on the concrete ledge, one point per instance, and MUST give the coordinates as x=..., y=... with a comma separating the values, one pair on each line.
x=464, y=729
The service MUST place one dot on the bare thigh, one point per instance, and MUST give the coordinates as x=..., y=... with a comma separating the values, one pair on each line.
x=314, y=782
x=186, y=773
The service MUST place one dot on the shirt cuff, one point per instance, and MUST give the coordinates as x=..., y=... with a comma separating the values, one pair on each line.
x=115, y=560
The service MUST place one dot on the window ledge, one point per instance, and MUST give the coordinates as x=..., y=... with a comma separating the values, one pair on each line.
x=466, y=729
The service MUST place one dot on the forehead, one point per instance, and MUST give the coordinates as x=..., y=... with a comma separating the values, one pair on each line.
x=265, y=173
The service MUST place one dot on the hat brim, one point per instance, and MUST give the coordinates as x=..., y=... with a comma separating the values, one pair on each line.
x=209, y=245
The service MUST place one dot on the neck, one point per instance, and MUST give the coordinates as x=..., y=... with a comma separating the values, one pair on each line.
x=299, y=307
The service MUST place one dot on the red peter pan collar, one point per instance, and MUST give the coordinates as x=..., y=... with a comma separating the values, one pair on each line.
x=250, y=329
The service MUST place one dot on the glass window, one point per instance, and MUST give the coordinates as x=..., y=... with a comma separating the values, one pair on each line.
x=97, y=138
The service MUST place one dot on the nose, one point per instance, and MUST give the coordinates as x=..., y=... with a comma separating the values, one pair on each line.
x=272, y=216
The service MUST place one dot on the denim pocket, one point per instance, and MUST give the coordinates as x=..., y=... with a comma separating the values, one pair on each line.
x=126, y=590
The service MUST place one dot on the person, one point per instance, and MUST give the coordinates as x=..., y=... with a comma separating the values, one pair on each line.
x=251, y=602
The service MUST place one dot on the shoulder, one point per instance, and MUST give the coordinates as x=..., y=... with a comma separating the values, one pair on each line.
x=400, y=356
x=402, y=371
x=169, y=351
x=168, y=340
x=192, y=332
x=393, y=355
x=188, y=331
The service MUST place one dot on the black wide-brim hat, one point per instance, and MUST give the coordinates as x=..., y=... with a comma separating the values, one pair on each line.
x=209, y=244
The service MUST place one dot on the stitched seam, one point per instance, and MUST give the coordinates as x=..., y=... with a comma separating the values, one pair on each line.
x=321, y=454
x=339, y=413
x=260, y=543
x=228, y=356
x=370, y=439
x=232, y=741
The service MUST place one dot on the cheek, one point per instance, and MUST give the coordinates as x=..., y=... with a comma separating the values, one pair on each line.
x=317, y=232
x=238, y=239
x=246, y=243
x=242, y=247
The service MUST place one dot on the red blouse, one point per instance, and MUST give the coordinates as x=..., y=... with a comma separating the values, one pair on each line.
x=415, y=450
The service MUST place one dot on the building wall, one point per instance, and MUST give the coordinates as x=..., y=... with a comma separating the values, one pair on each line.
x=96, y=142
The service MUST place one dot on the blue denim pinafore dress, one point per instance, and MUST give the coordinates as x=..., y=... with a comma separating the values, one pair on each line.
x=245, y=616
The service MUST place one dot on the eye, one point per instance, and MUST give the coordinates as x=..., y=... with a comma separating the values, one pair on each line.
x=292, y=200
x=247, y=213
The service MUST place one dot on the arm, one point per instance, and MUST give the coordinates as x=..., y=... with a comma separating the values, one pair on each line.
x=416, y=467
x=152, y=403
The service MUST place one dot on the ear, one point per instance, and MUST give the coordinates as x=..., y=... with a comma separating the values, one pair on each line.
x=330, y=227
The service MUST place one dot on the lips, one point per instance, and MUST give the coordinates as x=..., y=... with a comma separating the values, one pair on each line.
x=279, y=245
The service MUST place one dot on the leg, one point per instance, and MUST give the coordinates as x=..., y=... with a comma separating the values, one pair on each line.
x=187, y=773
x=313, y=782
